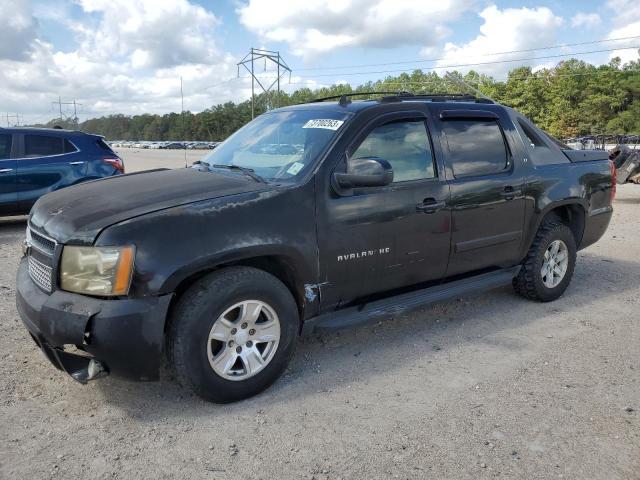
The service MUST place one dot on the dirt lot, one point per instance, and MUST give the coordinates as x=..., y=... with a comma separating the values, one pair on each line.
x=146, y=159
x=490, y=386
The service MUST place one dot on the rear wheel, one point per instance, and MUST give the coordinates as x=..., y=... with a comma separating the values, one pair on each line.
x=547, y=270
x=233, y=333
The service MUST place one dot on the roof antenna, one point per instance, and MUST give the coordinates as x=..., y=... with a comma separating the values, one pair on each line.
x=344, y=101
x=464, y=84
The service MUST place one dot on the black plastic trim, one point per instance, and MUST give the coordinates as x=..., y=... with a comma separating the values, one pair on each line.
x=407, y=302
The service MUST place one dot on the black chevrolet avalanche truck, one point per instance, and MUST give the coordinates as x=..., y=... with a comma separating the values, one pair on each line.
x=311, y=217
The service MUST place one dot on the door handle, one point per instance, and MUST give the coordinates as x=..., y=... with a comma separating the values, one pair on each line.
x=430, y=205
x=6, y=170
x=509, y=193
x=76, y=163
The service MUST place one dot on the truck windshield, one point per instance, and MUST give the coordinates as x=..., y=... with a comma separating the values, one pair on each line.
x=281, y=145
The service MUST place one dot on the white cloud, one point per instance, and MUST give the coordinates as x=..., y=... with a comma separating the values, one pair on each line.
x=587, y=20
x=323, y=25
x=129, y=57
x=162, y=33
x=626, y=18
x=17, y=29
x=505, y=30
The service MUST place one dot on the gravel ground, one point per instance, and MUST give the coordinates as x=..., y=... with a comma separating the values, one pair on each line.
x=145, y=159
x=489, y=386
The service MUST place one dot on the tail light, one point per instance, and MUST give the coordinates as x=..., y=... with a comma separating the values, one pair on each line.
x=614, y=179
x=115, y=162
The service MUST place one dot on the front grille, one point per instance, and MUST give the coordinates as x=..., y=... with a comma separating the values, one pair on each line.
x=42, y=243
x=40, y=273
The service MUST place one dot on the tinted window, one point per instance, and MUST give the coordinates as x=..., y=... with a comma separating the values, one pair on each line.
x=476, y=147
x=40, y=145
x=69, y=147
x=5, y=146
x=104, y=146
x=405, y=145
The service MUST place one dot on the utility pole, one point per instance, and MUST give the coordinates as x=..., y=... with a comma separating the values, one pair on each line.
x=274, y=57
x=60, y=103
x=17, y=121
x=182, y=113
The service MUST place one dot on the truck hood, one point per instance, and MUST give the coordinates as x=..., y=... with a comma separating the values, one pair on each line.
x=77, y=214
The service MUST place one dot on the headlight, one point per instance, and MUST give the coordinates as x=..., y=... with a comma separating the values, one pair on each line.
x=103, y=271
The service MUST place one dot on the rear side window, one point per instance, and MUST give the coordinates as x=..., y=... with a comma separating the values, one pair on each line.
x=104, y=146
x=42, y=146
x=5, y=146
x=69, y=147
x=405, y=145
x=476, y=147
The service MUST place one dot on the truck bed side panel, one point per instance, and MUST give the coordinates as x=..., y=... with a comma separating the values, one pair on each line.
x=585, y=185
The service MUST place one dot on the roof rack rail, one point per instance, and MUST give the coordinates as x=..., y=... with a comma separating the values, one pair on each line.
x=346, y=96
x=344, y=99
x=460, y=97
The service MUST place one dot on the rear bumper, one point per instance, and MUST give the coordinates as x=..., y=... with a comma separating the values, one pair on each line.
x=595, y=226
x=126, y=336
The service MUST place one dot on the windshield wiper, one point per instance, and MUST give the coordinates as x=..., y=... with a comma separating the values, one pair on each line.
x=247, y=171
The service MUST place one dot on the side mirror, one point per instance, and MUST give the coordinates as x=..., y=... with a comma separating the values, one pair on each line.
x=364, y=172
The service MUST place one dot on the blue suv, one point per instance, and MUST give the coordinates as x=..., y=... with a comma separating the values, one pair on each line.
x=36, y=161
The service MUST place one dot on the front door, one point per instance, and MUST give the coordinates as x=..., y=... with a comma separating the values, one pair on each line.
x=383, y=238
x=8, y=194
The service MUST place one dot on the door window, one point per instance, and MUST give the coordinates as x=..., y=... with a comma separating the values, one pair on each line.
x=42, y=146
x=5, y=146
x=405, y=145
x=476, y=147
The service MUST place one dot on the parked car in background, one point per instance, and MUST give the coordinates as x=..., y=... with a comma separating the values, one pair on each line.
x=173, y=145
x=35, y=161
x=167, y=144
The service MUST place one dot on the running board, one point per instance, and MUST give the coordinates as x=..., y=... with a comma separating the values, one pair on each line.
x=407, y=302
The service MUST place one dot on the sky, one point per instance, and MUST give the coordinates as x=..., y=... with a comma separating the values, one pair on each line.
x=127, y=56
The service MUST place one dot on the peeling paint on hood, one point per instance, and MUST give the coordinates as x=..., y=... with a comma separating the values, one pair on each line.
x=77, y=214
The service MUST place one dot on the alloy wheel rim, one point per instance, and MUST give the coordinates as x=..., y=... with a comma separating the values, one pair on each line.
x=555, y=264
x=243, y=340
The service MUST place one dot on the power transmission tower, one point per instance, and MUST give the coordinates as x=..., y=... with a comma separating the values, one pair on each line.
x=274, y=57
x=17, y=121
x=64, y=118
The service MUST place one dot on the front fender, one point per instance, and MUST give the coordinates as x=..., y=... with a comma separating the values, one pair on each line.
x=300, y=267
x=179, y=242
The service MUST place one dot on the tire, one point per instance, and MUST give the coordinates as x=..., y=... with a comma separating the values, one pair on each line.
x=202, y=360
x=530, y=282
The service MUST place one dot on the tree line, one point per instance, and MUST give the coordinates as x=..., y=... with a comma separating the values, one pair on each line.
x=574, y=98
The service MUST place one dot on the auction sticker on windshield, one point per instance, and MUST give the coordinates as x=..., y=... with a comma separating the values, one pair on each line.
x=295, y=168
x=326, y=123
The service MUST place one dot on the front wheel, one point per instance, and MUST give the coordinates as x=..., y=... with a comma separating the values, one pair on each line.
x=232, y=334
x=548, y=267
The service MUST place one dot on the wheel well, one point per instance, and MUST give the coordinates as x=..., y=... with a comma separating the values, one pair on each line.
x=277, y=266
x=571, y=215
x=283, y=270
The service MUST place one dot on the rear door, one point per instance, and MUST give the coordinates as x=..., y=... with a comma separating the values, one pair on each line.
x=487, y=198
x=8, y=193
x=46, y=163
